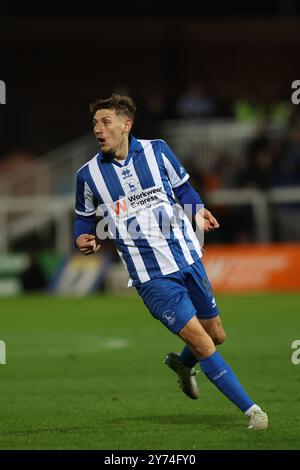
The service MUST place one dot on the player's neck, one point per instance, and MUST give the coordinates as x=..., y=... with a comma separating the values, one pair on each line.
x=123, y=149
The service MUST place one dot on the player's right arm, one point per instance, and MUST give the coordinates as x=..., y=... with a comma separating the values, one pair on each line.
x=85, y=222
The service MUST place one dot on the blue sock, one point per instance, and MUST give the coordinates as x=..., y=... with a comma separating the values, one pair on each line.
x=187, y=358
x=223, y=377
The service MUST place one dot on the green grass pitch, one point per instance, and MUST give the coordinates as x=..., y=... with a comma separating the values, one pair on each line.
x=88, y=373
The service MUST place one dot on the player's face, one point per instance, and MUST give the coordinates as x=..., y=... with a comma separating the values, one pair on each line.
x=110, y=129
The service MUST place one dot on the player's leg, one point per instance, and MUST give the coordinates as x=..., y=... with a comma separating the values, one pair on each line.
x=219, y=372
x=201, y=294
x=213, y=365
x=214, y=328
x=196, y=338
x=168, y=301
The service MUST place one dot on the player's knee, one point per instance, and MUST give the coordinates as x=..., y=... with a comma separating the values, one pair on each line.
x=204, y=349
x=197, y=338
x=219, y=337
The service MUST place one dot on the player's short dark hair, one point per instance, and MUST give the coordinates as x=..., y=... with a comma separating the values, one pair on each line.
x=122, y=105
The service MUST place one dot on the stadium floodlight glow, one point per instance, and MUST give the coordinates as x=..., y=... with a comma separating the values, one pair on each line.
x=2, y=92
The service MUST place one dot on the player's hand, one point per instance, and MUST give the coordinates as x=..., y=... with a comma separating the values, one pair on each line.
x=205, y=220
x=210, y=223
x=87, y=244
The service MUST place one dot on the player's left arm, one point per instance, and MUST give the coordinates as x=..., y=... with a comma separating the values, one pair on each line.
x=185, y=193
x=205, y=219
x=193, y=205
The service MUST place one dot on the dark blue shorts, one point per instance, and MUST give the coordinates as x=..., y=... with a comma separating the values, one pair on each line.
x=175, y=298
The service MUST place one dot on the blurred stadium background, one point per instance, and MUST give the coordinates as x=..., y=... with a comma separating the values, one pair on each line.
x=216, y=84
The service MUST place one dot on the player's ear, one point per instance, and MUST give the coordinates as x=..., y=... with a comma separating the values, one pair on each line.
x=127, y=125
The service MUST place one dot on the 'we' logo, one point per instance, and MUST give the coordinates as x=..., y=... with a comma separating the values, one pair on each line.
x=120, y=206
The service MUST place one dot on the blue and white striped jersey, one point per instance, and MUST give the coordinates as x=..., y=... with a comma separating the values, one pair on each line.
x=153, y=235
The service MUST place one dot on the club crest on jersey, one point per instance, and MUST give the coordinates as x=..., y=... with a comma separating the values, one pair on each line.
x=131, y=186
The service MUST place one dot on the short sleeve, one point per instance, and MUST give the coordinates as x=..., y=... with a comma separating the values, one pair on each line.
x=176, y=172
x=85, y=202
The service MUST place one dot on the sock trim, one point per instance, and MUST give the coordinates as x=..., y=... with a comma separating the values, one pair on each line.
x=252, y=409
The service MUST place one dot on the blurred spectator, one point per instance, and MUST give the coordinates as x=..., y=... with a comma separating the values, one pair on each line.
x=236, y=222
x=259, y=142
x=33, y=278
x=248, y=109
x=256, y=173
x=280, y=112
x=15, y=161
x=195, y=103
x=280, y=108
x=287, y=172
x=256, y=169
x=222, y=174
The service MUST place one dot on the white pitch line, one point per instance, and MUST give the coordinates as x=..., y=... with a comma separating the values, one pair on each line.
x=85, y=347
